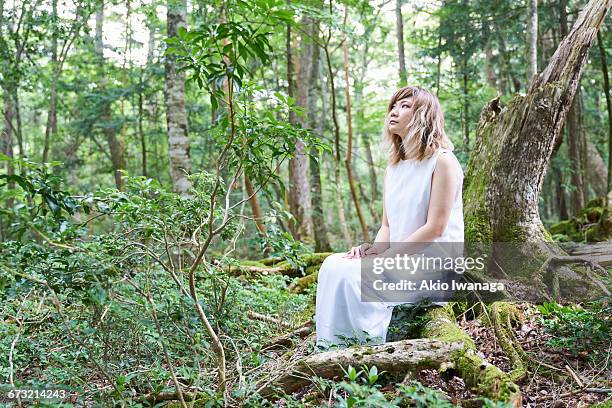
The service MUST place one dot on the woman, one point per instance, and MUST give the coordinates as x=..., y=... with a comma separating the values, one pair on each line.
x=421, y=203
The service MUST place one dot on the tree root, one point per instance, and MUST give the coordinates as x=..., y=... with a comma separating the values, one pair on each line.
x=502, y=316
x=483, y=377
x=551, y=265
x=397, y=357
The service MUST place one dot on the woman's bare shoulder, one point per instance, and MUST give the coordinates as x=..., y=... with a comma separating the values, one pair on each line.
x=447, y=163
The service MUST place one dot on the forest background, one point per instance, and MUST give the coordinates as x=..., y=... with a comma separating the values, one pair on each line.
x=182, y=143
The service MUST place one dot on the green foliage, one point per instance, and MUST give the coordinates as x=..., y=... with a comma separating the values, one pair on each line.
x=423, y=397
x=344, y=341
x=280, y=243
x=219, y=52
x=408, y=320
x=103, y=283
x=40, y=203
x=578, y=329
x=361, y=389
x=591, y=224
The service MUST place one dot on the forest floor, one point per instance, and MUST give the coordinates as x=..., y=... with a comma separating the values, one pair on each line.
x=557, y=376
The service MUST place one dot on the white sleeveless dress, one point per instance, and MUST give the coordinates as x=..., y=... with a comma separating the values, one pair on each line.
x=339, y=309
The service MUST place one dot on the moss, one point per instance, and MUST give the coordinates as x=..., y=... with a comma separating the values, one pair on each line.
x=591, y=224
x=270, y=261
x=284, y=266
x=547, y=235
x=503, y=314
x=259, y=264
x=484, y=378
x=316, y=258
x=443, y=327
x=565, y=227
x=367, y=351
x=512, y=232
x=304, y=282
x=478, y=227
x=312, y=269
x=307, y=314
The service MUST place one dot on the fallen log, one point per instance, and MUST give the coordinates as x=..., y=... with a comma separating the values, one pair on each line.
x=268, y=319
x=288, y=340
x=397, y=357
x=267, y=267
x=301, y=284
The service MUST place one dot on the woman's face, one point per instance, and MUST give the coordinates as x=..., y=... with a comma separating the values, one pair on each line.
x=399, y=117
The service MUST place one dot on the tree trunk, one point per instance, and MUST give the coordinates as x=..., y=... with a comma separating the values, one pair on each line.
x=597, y=172
x=507, y=66
x=514, y=144
x=51, y=128
x=340, y=207
x=560, y=195
x=8, y=129
x=349, y=147
x=532, y=39
x=373, y=195
x=141, y=134
x=439, y=63
x=254, y=205
x=299, y=189
x=466, y=106
x=339, y=203
x=606, y=80
x=491, y=77
x=361, y=122
x=114, y=144
x=575, y=135
x=176, y=114
x=316, y=196
x=399, y=28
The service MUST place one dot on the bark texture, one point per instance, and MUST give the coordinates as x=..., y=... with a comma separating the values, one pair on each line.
x=396, y=357
x=349, y=147
x=115, y=145
x=399, y=28
x=176, y=114
x=606, y=85
x=299, y=188
x=6, y=146
x=316, y=192
x=483, y=377
x=532, y=39
x=598, y=173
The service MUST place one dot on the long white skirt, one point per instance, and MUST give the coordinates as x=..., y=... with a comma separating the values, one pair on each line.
x=339, y=309
x=340, y=313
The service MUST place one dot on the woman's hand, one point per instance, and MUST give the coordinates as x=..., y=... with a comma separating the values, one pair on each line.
x=366, y=249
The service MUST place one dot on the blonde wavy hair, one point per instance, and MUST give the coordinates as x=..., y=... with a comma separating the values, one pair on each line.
x=425, y=130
